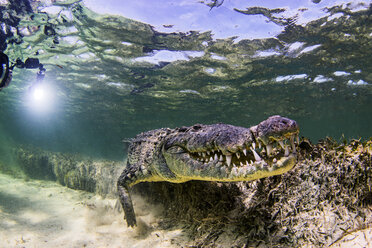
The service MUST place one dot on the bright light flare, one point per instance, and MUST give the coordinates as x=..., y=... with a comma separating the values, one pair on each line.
x=41, y=98
x=39, y=94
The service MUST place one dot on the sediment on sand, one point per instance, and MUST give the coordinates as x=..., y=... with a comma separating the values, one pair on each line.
x=325, y=197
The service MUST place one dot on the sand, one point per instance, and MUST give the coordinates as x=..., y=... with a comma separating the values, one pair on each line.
x=358, y=239
x=41, y=214
x=46, y=214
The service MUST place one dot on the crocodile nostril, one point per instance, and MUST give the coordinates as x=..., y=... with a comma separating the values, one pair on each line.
x=196, y=127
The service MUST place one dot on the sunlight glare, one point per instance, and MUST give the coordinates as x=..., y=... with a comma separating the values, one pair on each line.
x=41, y=98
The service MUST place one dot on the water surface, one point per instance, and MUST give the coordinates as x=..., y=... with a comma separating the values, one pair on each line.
x=122, y=67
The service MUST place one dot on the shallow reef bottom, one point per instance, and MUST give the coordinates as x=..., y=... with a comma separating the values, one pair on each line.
x=44, y=214
x=323, y=200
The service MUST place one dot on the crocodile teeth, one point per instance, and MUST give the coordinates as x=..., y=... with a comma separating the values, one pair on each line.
x=208, y=152
x=215, y=156
x=293, y=144
x=228, y=160
x=286, y=153
x=245, y=152
x=269, y=149
x=298, y=139
x=234, y=171
x=281, y=144
x=250, y=168
x=256, y=156
x=263, y=165
x=211, y=158
x=221, y=157
x=259, y=145
x=241, y=171
x=237, y=155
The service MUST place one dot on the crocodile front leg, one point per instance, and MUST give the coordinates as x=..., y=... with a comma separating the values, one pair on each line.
x=125, y=180
x=130, y=176
x=126, y=203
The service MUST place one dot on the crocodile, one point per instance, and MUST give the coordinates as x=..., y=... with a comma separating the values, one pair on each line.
x=216, y=152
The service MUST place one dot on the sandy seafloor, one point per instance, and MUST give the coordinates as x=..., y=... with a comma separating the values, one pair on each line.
x=45, y=214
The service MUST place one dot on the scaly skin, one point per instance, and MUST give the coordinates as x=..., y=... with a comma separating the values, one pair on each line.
x=217, y=152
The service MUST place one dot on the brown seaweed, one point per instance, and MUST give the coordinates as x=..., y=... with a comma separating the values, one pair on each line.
x=326, y=196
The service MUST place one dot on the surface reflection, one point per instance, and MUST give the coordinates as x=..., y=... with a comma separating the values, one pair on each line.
x=124, y=68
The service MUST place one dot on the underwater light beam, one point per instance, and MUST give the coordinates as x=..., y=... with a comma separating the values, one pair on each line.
x=41, y=98
x=38, y=94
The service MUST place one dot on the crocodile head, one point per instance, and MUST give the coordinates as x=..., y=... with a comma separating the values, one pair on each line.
x=222, y=152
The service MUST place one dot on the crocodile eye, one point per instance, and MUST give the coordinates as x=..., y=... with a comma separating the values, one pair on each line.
x=175, y=149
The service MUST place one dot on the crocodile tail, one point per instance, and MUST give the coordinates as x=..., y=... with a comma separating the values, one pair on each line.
x=126, y=202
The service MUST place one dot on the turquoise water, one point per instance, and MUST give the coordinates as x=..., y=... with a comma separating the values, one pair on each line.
x=122, y=68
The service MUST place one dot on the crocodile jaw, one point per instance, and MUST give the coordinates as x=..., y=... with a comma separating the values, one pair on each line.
x=188, y=169
x=246, y=154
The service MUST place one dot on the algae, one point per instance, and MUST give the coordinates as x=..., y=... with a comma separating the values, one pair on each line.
x=71, y=170
x=324, y=198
